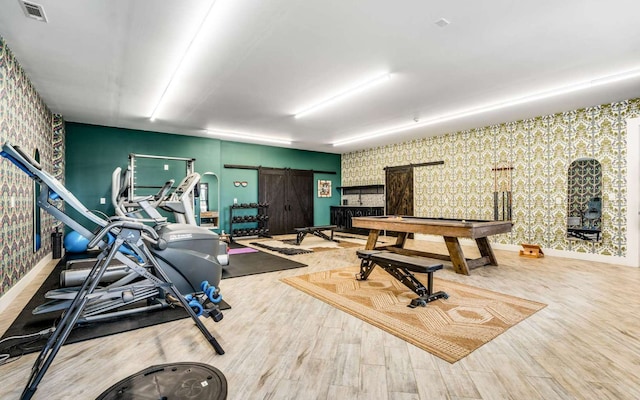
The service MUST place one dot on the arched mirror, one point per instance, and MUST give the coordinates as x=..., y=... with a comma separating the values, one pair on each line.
x=209, y=200
x=584, y=201
x=37, y=218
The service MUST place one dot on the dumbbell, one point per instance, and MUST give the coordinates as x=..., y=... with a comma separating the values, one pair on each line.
x=212, y=293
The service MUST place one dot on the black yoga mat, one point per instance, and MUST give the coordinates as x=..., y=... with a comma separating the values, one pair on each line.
x=256, y=263
x=26, y=323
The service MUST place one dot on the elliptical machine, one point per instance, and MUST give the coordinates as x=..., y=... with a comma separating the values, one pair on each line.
x=144, y=209
x=190, y=255
x=163, y=271
x=178, y=202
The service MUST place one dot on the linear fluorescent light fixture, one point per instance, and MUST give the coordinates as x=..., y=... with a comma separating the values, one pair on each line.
x=605, y=80
x=344, y=94
x=154, y=113
x=239, y=136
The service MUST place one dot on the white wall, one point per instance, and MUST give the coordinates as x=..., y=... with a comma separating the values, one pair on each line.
x=633, y=192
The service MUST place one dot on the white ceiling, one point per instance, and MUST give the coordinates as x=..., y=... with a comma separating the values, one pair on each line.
x=256, y=63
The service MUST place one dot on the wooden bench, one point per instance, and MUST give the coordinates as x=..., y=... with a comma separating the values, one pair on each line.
x=315, y=230
x=400, y=267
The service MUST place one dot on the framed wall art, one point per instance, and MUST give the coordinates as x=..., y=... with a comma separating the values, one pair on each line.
x=324, y=188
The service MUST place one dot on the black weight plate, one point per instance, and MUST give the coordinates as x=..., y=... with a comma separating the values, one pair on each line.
x=179, y=381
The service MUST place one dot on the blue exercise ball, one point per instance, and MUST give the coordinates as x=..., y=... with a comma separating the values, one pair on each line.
x=75, y=242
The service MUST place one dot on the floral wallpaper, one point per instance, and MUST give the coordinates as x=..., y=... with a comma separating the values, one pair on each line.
x=530, y=159
x=26, y=121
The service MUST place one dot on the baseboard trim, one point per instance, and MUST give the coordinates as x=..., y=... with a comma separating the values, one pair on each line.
x=10, y=296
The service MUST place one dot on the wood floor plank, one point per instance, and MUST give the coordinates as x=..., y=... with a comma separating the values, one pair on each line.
x=403, y=396
x=430, y=384
x=373, y=382
x=342, y=392
x=372, y=345
x=458, y=381
x=346, y=371
x=400, y=376
x=489, y=386
x=421, y=359
x=614, y=391
x=550, y=389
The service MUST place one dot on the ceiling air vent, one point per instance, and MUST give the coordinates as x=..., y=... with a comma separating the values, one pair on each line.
x=33, y=10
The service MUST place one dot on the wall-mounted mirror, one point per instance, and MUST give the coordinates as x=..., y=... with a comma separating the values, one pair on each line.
x=37, y=218
x=584, y=200
x=209, y=200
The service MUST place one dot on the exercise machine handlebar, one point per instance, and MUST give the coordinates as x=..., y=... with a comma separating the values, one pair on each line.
x=122, y=224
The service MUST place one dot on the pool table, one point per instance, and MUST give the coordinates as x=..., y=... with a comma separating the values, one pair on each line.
x=450, y=229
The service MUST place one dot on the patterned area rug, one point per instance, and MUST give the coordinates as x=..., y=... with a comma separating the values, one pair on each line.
x=450, y=329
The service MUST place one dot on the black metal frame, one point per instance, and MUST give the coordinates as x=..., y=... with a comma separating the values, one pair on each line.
x=316, y=231
x=401, y=270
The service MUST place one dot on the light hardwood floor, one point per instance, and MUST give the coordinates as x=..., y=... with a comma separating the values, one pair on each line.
x=283, y=344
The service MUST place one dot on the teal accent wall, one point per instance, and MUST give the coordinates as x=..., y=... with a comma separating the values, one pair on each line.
x=93, y=152
x=234, y=153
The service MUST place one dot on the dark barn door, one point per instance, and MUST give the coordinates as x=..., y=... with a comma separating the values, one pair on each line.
x=399, y=187
x=300, y=199
x=289, y=193
x=271, y=183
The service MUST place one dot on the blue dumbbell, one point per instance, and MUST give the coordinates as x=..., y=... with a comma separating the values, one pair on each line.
x=194, y=304
x=211, y=292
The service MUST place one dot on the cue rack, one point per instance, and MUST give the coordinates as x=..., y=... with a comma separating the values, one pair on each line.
x=502, y=199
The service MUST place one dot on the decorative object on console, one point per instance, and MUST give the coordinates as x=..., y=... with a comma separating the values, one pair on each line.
x=531, y=251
